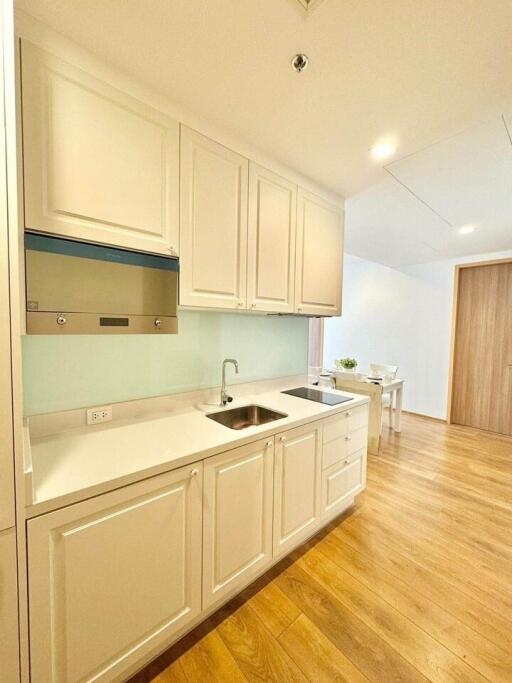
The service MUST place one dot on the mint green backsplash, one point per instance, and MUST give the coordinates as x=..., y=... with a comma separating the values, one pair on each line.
x=65, y=372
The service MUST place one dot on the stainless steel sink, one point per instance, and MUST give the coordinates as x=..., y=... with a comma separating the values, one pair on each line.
x=246, y=416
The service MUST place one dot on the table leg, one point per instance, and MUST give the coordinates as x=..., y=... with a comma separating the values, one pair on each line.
x=391, y=397
x=398, y=409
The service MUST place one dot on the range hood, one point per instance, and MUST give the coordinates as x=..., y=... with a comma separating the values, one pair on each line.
x=82, y=288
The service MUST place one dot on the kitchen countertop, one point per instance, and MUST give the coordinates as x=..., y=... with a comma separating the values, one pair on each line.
x=82, y=462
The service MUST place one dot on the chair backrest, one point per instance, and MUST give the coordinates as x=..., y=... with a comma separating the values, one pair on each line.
x=383, y=370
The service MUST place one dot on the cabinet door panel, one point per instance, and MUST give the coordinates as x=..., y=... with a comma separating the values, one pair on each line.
x=318, y=278
x=271, y=241
x=237, y=518
x=113, y=577
x=297, y=474
x=213, y=224
x=341, y=482
x=98, y=164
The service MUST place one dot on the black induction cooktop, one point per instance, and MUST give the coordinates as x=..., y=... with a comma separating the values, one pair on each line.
x=317, y=395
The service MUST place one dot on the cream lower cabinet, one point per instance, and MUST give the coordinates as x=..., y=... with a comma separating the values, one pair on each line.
x=297, y=482
x=345, y=443
x=319, y=267
x=9, y=650
x=213, y=224
x=237, y=533
x=114, y=577
x=99, y=165
x=271, y=241
x=117, y=578
x=342, y=482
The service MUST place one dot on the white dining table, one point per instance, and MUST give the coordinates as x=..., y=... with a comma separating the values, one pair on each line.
x=376, y=390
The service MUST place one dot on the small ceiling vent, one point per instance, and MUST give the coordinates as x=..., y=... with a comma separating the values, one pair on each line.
x=309, y=5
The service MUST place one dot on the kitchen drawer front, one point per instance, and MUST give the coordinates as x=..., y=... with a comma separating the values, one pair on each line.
x=336, y=427
x=357, y=418
x=343, y=481
x=344, y=423
x=338, y=449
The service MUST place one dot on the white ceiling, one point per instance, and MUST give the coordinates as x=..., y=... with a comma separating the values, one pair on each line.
x=413, y=215
x=418, y=73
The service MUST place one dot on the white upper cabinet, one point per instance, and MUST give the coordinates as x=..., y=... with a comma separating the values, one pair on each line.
x=318, y=277
x=114, y=577
x=213, y=224
x=102, y=166
x=99, y=165
x=271, y=241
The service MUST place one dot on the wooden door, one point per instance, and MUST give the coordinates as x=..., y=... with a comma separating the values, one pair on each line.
x=213, y=224
x=237, y=518
x=271, y=241
x=297, y=475
x=99, y=165
x=482, y=366
x=9, y=651
x=114, y=577
x=319, y=265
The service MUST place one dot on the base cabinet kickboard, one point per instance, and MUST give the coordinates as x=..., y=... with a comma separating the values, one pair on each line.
x=116, y=579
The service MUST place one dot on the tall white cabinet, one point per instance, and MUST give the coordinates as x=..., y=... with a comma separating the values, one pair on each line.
x=99, y=165
x=9, y=649
x=9, y=630
x=6, y=425
x=213, y=223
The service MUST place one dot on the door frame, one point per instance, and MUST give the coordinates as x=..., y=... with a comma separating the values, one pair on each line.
x=455, y=308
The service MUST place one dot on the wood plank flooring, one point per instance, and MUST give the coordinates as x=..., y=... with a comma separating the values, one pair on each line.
x=412, y=584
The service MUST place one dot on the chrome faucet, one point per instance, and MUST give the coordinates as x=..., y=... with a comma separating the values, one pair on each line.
x=224, y=397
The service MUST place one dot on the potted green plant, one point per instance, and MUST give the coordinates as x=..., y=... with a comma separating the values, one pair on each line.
x=347, y=364
x=345, y=368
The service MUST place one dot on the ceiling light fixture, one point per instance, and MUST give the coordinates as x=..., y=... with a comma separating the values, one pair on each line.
x=300, y=62
x=383, y=150
x=308, y=5
x=466, y=229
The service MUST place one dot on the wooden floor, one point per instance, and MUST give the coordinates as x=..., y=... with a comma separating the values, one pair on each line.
x=413, y=584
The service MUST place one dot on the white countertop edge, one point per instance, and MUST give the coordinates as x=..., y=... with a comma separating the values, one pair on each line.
x=54, y=500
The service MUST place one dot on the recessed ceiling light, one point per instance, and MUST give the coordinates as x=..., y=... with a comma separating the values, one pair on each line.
x=300, y=62
x=383, y=150
x=466, y=229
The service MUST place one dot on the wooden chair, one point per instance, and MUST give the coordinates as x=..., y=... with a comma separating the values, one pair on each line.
x=386, y=372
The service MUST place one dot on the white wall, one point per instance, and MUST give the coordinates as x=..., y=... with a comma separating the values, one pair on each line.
x=401, y=317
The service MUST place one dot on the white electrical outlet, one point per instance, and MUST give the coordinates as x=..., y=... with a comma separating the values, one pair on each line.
x=102, y=414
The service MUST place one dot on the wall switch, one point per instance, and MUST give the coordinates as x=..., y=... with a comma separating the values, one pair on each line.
x=102, y=414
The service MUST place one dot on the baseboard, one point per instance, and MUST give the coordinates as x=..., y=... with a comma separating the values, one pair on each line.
x=426, y=417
